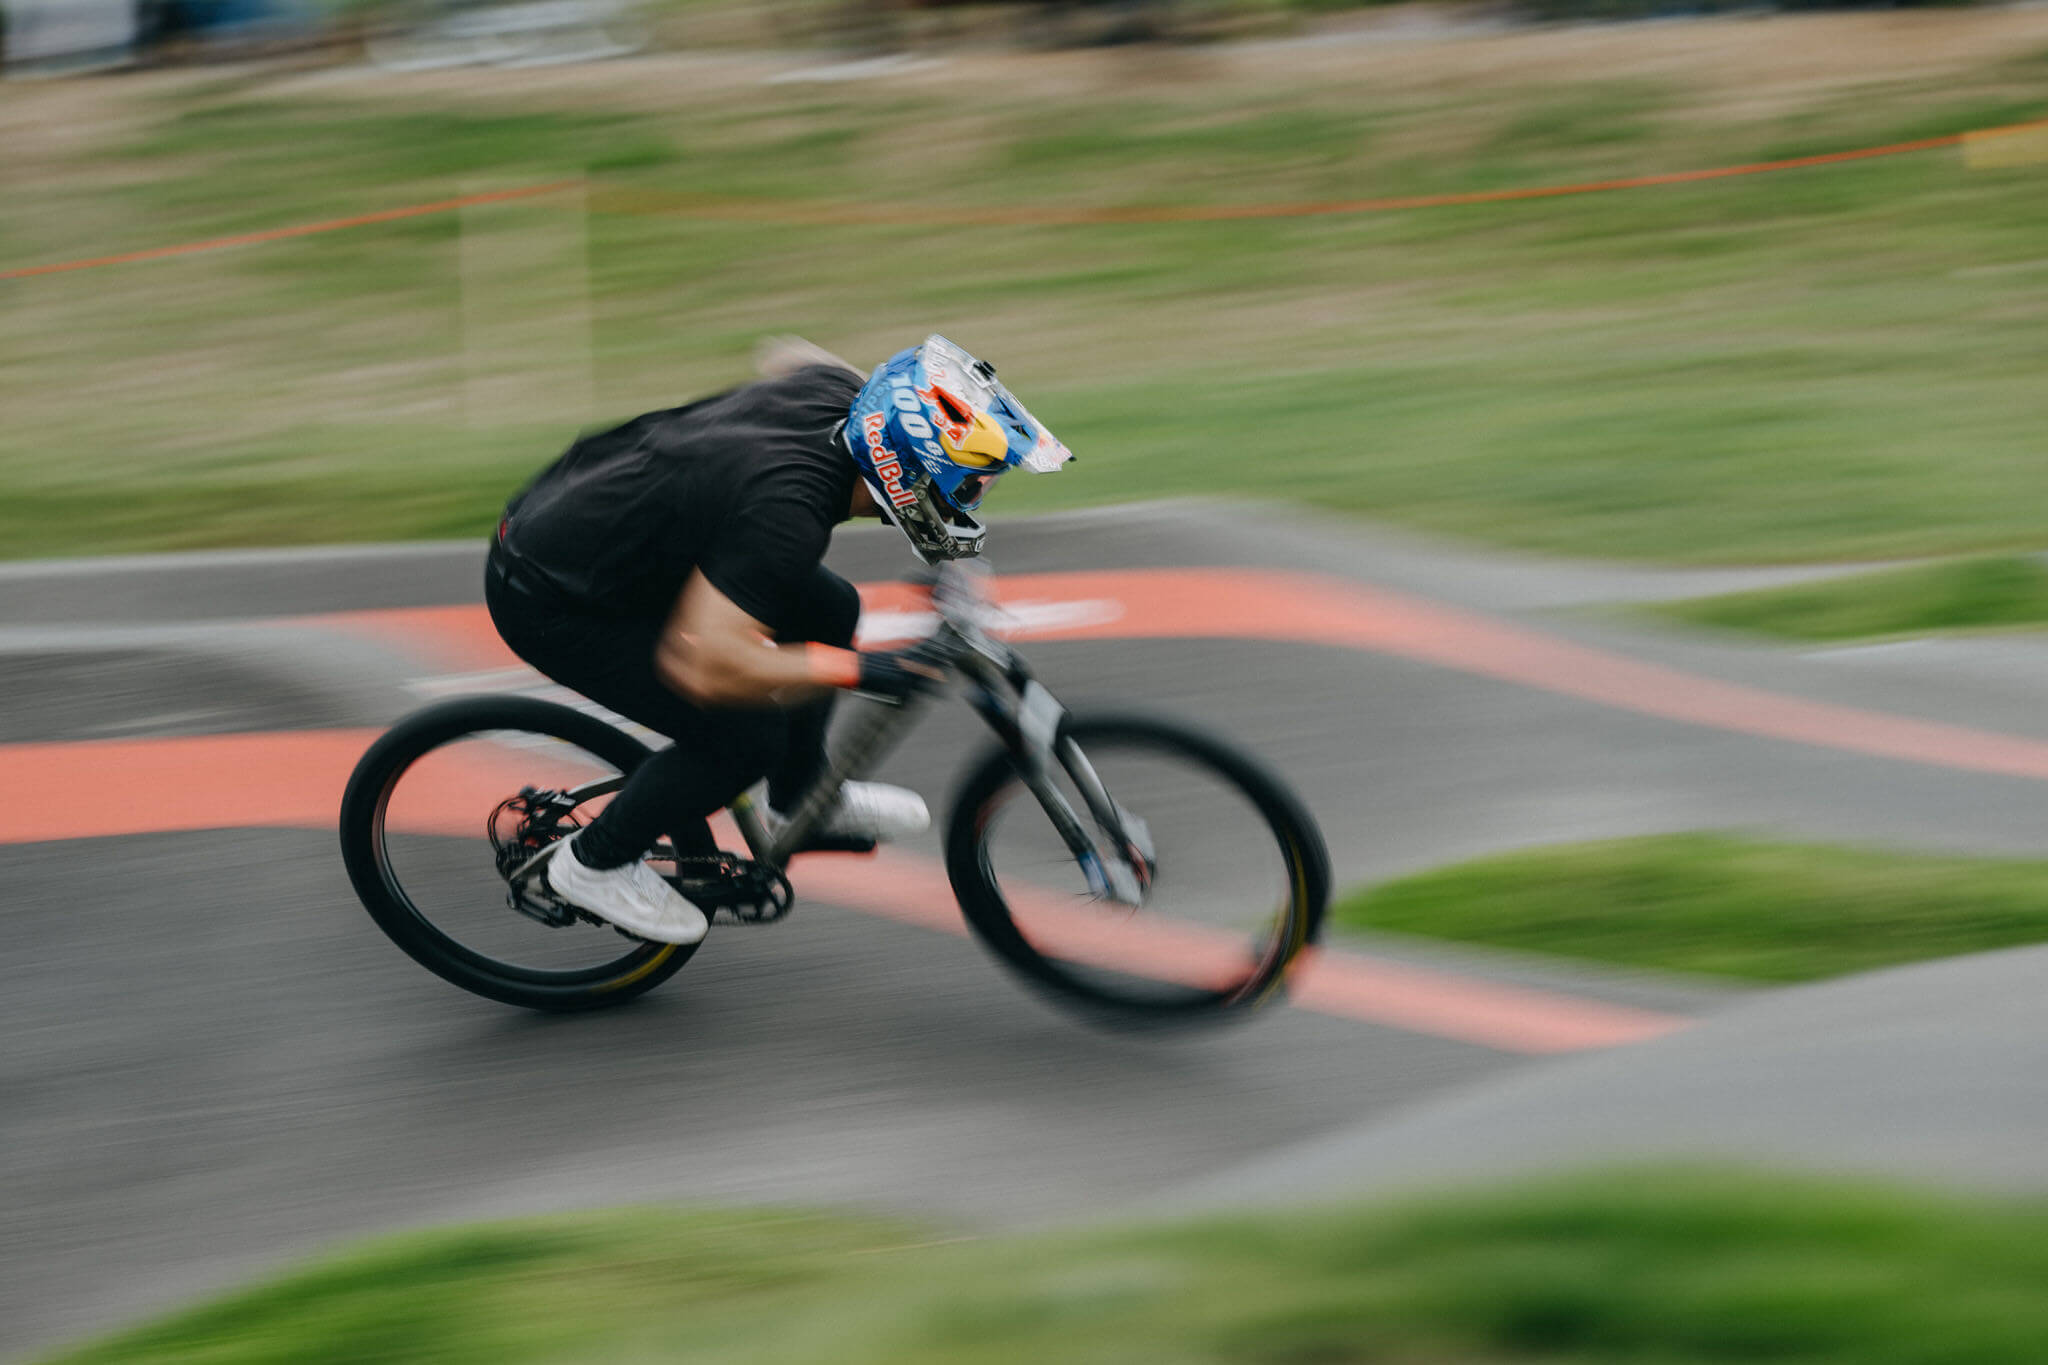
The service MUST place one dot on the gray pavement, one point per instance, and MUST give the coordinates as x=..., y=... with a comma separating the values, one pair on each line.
x=1937, y=1071
x=215, y=1061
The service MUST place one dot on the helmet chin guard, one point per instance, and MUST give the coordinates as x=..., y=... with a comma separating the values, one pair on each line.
x=935, y=531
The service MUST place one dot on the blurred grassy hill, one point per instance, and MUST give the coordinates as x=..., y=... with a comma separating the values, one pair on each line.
x=1672, y=1266
x=1831, y=363
x=1982, y=593
x=1718, y=904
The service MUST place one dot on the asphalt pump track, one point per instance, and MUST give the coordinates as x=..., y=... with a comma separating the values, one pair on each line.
x=216, y=1061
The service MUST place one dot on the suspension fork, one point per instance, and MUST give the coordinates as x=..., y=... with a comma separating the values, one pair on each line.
x=1033, y=725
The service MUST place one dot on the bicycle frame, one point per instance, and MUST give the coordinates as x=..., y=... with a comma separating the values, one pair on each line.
x=1022, y=712
x=1024, y=715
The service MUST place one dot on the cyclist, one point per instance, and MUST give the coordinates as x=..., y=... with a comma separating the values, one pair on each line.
x=670, y=569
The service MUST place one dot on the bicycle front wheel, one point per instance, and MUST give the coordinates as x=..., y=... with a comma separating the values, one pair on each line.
x=1236, y=875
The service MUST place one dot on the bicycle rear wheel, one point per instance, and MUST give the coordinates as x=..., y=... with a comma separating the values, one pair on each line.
x=1237, y=882
x=417, y=830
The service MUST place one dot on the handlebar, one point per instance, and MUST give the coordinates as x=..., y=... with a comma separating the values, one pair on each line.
x=960, y=595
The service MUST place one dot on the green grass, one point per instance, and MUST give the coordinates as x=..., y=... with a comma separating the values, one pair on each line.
x=1824, y=364
x=1984, y=593
x=1675, y=1267
x=1719, y=905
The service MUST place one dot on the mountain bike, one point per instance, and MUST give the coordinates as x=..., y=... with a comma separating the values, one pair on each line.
x=1128, y=865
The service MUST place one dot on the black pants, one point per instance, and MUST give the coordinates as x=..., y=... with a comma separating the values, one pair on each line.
x=716, y=754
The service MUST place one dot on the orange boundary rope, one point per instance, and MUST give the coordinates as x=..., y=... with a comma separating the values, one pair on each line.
x=799, y=214
x=298, y=230
x=786, y=211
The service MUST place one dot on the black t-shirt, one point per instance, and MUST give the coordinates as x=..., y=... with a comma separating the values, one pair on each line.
x=746, y=486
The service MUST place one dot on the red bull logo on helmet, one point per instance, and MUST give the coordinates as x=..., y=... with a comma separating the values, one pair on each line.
x=887, y=468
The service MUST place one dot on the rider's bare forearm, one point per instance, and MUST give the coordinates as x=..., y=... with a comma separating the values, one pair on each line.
x=714, y=654
x=725, y=672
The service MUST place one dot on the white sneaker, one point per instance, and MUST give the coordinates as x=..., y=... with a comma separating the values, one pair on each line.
x=868, y=810
x=633, y=897
x=875, y=810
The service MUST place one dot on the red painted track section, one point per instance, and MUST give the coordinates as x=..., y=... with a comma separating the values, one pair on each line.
x=1295, y=608
x=98, y=788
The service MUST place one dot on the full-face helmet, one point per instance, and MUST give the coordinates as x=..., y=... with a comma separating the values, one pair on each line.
x=930, y=431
